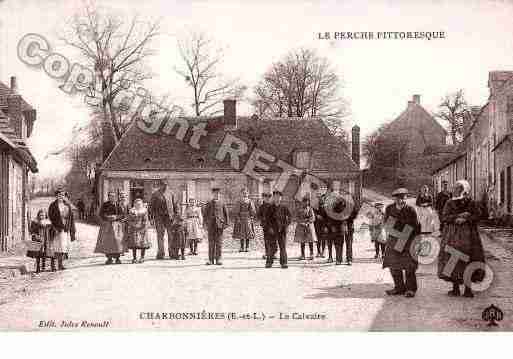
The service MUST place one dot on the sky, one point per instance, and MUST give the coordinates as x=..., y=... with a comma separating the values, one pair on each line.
x=379, y=76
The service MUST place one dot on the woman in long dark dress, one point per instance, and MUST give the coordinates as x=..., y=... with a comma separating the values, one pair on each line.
x=244, y=216
x=111, y=230
x=40, y=233
x=460, y=216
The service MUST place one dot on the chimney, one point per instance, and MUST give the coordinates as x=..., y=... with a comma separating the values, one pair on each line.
x=416, y=99
x=108, y=141
x=230, y=114
x=14, y=85
x=355, y=149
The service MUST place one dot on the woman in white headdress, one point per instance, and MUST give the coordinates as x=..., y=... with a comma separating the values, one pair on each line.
x=460, y=217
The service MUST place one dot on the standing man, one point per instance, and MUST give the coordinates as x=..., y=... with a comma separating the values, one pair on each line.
x=280, y=220
x=441, y=199
x=350, y=232
x=263, y=215
x=216, y=220
x=402, y=226
x=162, y=211
x=325, y=223
x=81, y=209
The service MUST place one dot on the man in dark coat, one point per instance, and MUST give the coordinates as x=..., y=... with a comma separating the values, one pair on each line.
x=341, y=210
x=265, y=221
x=216, y=219
x=441, y=199
x=81, y=209
x=325, y=224
x=402, y=226
x=162, y=211
x=280, y=219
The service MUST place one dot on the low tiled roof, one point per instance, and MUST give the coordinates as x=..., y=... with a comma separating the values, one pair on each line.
x=138, y=150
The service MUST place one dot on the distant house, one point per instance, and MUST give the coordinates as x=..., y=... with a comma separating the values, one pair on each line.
x=140, y=159
x=486, y=154
x=419, y=129
x=16, y=123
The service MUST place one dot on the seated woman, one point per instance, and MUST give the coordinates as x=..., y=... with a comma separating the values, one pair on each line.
x=40, y=231
x=460, y=217
x=137, y=230
x=305, y=231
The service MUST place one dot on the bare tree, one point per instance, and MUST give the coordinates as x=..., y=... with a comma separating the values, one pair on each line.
x=303, y=85
x=384, y=149
x=117, y=50
x=201, y=61
x=454, y=110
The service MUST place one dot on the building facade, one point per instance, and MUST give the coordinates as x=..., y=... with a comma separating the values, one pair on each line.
x=193, y=155
x=485, y=156
x=16, y=122
x=418, y=127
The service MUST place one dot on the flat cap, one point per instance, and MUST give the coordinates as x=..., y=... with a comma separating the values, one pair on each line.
x=399, y=192
x=278, y=193
x=216, y=189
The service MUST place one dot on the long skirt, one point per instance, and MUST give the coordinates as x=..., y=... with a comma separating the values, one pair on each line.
x=428, y=219
x=110, y=238
x=243, y=229
x=464, y=239
x=137, y=238
x=61, y=242
x=305, y=233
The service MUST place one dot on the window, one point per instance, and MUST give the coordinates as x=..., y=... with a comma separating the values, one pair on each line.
x=302, y=159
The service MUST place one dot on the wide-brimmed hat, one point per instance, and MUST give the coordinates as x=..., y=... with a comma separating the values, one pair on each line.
x=400, y=192
x=378, y=204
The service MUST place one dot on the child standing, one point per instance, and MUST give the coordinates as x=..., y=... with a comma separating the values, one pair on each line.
x=179, y=235
x=40, y=231
x=376, y=225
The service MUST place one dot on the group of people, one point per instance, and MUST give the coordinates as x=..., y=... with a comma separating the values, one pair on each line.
x=52, y=232
x=328, y=223
x=452, y=216
x=125, y=229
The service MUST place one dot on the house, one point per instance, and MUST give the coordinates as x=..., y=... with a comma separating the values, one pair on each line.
x=16, y=123
x=486, y=154
x=192, y=167
x=421, y=131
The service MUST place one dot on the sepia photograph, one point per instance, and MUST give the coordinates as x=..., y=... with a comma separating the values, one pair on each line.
x=259, y=166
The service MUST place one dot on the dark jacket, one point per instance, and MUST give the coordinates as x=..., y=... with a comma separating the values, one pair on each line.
x=423, y=200
x=158, y=209
x=264, y=215
x=61, y=224
x=280, y=218
x=110, y=209
x=395, y=256
x=441, y=200
x=216, y=215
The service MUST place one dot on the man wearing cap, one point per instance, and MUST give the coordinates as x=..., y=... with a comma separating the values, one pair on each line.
x=162, y=211
x=441, y=199
x=402, y=226
x=263, y=215
x=280, y=219
x=216, y=220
